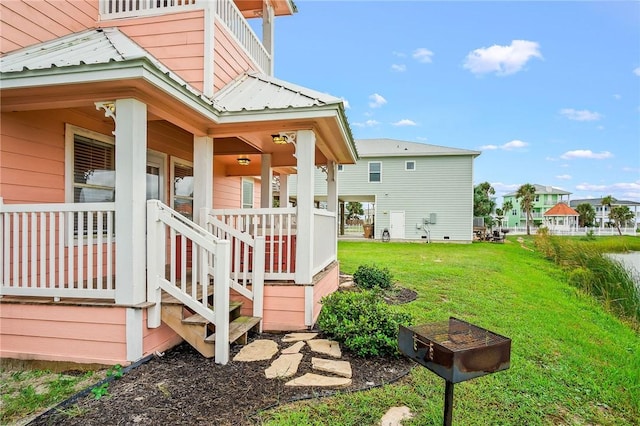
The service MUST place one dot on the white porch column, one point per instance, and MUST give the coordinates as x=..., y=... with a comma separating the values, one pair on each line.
x=305, y=154
x=131, y=162
x=266, y=187
x=267, y=33
x=284, y=190
x=202, y=174
x=332, y=187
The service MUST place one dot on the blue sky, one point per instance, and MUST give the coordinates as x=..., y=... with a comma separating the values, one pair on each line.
x=548, y=91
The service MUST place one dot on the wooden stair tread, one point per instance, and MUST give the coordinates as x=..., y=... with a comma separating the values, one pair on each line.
x=237, y=328
x=200, y=320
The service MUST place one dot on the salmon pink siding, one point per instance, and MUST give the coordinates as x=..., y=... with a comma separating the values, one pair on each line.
x=230, y=58
x=327, y=284
x=176, y=39
x=82, y=334
x=227, y=190
x=33, y=22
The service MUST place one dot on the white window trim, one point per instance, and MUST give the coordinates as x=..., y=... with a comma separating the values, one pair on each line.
x=157, y=158
x=406, y=163
x=253, y=189
x=69, y=136
x=369, y=171
x=174, y=161
x=70, y=131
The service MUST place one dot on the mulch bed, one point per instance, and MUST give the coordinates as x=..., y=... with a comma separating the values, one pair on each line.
x=182, y=387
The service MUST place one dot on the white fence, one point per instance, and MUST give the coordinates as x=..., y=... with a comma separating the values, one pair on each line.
x=57, y=250
x=520, y=230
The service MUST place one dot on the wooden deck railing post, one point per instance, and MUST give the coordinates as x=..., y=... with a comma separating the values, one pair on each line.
x=258, y=278
x=221, y=300
x=156, y=259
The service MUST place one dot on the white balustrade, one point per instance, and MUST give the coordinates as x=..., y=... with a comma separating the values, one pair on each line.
x=57, y=250
x=324, y=239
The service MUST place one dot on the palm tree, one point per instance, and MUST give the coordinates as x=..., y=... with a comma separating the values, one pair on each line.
x=526, y=195
x=607, y=201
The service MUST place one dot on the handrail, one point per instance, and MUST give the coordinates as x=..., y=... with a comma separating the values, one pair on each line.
x=209, y=259
x=247, y=260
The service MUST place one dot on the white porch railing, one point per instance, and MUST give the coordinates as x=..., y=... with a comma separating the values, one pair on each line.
x=519, y=230
x=198, y=270
x=247, y=259
x=225, y=10
x=277, y=226
x=57, y=250
x=324, y=239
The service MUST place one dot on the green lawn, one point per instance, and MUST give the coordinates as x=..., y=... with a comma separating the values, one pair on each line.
x=572, y=362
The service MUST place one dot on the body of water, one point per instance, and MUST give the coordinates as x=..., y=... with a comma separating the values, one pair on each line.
x=631, y=261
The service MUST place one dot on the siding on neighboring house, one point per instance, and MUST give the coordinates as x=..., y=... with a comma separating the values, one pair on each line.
x=43, y=20
x=439, y=184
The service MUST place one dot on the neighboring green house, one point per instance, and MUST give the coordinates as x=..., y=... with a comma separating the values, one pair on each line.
x=546, y=197
x=419, y=191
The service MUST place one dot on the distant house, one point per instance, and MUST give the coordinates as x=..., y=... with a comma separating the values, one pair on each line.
x=602, y=211
x=546, y=197
x=561, y=217
x=418, y=191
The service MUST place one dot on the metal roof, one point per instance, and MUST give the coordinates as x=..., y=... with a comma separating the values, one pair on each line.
x=392, y=147
x=256, y=92
x=542, y=189
x=597, y=202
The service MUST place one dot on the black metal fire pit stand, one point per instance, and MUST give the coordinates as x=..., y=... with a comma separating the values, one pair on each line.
x=448, y=403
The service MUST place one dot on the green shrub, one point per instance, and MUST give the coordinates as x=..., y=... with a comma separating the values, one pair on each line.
x=362, y=322
x=373, y=277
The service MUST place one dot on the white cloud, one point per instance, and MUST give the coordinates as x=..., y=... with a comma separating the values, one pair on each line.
x=600, y=127
x=399, y=67
x=631, y=169
x=399, y=54
x=627, y=189
x=564, y=177
x=376, y=101
x=514, y=144
x=502, y=60
x=405, y=122
x=637, y=71
x=368, y=123
x=586, y=153
x=551, y=159
x=488, y=147
x=422, y=55
x=617, y=96
x=580, y=115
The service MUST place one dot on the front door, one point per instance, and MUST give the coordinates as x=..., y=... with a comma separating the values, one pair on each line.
x=396, y=230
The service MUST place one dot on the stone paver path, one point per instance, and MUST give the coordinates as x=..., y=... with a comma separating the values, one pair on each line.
x=326, y=347
x=395, y=415
x=258, y=350
x=311, y=379
x=285, y=365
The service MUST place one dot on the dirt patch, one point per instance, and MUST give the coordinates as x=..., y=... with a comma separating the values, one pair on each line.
x=400, y=295
x=182, y=387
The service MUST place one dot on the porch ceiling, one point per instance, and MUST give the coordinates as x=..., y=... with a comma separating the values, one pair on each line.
x=52, y=75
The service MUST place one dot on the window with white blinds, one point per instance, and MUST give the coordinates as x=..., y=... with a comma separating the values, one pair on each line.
x=183, y=189
x=247, y=194
x=94, y=174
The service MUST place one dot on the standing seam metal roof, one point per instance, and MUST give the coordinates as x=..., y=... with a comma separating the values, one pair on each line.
x=393, y=147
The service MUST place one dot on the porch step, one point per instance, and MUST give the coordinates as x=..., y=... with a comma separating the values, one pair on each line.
x=238, y=329
x=199, y=332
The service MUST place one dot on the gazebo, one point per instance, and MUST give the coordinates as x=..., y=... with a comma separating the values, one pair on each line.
x=561, y=218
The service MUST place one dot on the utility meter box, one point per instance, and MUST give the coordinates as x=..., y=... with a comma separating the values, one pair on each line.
x=431, y=220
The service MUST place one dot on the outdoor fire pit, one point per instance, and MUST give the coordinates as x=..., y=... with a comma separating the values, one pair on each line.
x=456, y=351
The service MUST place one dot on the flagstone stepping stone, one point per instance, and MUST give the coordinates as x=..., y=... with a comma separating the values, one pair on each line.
x=296, y=337
x=339, y=368
x=395, y=415
x=258, y=350
x=317, y=380
x=284, y=366
x=293, y=349
x=326, y=347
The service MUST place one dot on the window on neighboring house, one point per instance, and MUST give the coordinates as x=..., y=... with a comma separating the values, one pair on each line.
x=340, y=167
x=514, y=212
x=410, y=165
x=537, y=198
x=182, y=190
x=375, y=171
x=247, y=194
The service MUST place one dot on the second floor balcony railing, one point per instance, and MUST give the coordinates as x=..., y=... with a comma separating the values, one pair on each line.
x=225, y=10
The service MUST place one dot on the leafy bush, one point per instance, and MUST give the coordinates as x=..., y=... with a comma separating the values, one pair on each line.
x=362, y=322
x=373, y=277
